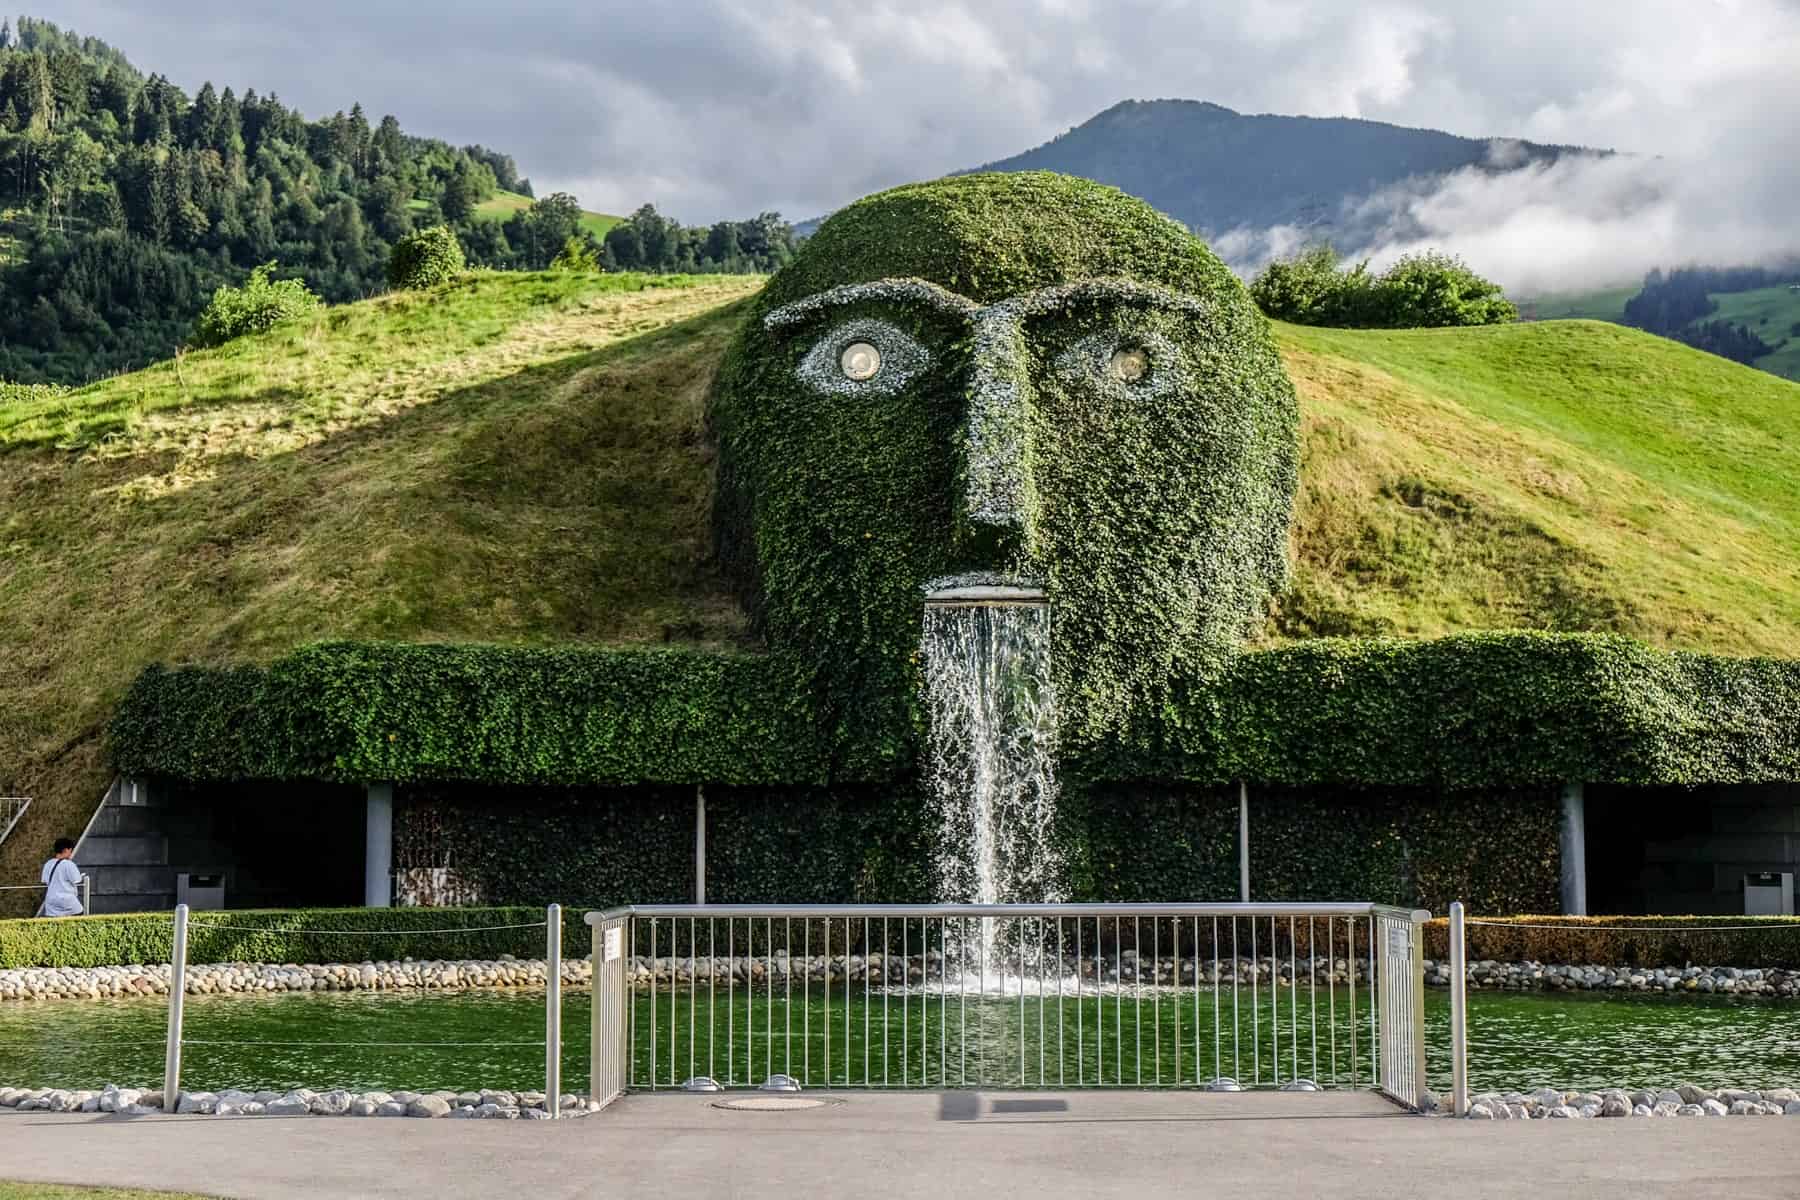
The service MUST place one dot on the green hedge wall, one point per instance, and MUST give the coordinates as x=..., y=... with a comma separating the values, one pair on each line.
x=281, y=936
x=1470, y=712
x=1122, y=842
x=1626, y=941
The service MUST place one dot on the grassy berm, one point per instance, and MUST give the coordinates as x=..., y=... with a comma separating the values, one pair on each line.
x=521, y=459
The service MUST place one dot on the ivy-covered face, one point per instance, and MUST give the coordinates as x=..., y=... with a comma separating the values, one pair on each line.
x=1123, y=446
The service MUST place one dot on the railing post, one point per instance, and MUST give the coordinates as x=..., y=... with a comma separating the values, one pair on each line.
x=1243, y=841
x=1416, y=992
x=177, y=989
x=1459, y=1014
x=87, y=895
x=553, y=1011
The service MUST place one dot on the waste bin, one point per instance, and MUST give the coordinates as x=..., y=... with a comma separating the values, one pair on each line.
x=1769, y=894
x=200, y=891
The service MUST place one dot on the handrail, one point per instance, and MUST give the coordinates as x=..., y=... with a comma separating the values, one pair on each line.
x=18, y=813
x=836, y=911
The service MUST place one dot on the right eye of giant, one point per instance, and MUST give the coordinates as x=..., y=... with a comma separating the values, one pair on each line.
x=1130, y=364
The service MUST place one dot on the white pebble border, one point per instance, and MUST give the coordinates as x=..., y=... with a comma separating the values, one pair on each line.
x=496, y=1105
x=208, y=979
x=1533, y=976
x=1684, y=1101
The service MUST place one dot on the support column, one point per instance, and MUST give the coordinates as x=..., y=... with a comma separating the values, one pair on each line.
x=378, y=847
x=1573, y=849
x=699, y=843
x=1243, y=842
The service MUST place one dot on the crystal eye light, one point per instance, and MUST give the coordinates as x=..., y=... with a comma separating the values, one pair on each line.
x=1129, y=364
x=860, y=361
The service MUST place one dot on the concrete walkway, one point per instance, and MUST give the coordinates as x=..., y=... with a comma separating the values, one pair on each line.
x=928, y=1145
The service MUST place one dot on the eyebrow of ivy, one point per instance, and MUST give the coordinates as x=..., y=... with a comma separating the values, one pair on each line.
x=1043, y=302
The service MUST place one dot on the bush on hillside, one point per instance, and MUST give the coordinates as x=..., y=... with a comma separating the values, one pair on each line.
x=1426, y=290
x=261, y=303
x=577, y=254
x=28, y=393
x=425, y=259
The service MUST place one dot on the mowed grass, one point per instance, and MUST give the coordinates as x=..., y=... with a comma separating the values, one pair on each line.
x=522, y=459
x=1602, y=304
x=1559, y=475
x=510, y=458
x=504, y=204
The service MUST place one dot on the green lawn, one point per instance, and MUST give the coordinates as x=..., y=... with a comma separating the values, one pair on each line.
x=504, y=204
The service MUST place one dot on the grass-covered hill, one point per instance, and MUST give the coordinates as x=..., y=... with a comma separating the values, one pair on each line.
x=1771, y=314
x=520, y=458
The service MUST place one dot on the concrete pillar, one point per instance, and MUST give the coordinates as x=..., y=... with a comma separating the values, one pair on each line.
x=1243, y=842
x=1573, y=847
x=378, y=851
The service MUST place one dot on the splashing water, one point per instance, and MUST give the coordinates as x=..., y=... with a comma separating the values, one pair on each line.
x=992, y=751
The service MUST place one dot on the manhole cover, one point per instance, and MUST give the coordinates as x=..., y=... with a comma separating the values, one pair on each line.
x=771, y=1103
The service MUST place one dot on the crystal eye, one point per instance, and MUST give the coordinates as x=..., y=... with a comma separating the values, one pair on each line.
x=859, y=361
x=1130, y=365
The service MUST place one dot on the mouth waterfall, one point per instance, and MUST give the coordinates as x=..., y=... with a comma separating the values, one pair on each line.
x=991, y=757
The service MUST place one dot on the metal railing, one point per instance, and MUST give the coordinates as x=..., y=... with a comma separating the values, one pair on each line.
x=12, y=808
x=87, y=892
x=1217, y=996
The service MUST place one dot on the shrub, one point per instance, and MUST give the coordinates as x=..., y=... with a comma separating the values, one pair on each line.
x=1626, y=941
x=275, y=936
x=1419, y=291
x=577, y=254
x=260, y=304
x=425, y=258
x=28, y=393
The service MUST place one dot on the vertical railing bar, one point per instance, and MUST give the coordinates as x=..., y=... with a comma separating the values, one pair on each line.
x=1062, y=1045
x=1237, y=1064
x=868, y=1078
x=962, y=996
x=1137, y=996
x=787, y=996
x=553, y=1011
x=653, y=1030
x=1312, y=1008
x=1355, y=1019
x=1040, y=1001
x=1275, y=995
x=1019, y=940
x=944, y=1001
x=847, y=1060
x=1255, y=1008
x=827, y=956
x=805, y=999
x=1218, y=985
x=1099, y=1006
x=731, y=1002
x=693, y=989
x=769, y=996
x=980, y=1005
x=1080, y=1018
x=712, y=993
x=1119, y=1000
x=1331, y=992
x=905, y=1004
x=1293, y=1000
x=1377, y=1047
x=887, y=977
x=1176, y=926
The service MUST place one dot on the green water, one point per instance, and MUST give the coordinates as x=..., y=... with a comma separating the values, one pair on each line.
x=475, y=1039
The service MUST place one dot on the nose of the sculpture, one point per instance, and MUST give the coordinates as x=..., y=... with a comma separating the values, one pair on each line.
x=997, y=508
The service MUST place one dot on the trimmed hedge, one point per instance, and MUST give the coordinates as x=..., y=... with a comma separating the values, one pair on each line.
x=1479, y=711
x=1626, y=941
x=146, y=938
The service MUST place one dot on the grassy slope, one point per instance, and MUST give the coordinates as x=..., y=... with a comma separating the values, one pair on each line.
x=509, y=458
x=1773, y=314
x=520, y=459
x=1606, y=304
x=505, y=204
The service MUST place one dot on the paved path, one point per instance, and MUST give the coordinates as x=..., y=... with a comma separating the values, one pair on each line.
x=934, y=1146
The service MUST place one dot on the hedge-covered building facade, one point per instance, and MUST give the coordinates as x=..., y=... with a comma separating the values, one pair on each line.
x=1017, y=378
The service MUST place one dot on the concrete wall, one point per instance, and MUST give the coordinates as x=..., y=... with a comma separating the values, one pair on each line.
x=1686, y=850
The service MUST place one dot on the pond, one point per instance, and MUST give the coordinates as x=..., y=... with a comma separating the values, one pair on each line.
x=475, y=1039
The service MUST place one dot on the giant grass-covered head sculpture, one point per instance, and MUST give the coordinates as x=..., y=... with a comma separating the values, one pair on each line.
x=1022, y=379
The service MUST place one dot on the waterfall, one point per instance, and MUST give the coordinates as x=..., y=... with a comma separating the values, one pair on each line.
x=991, y=763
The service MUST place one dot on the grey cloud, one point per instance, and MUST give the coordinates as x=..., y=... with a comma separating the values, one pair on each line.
x=714, y=108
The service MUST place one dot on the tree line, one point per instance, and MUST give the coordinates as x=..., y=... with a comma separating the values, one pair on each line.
x=125, y=203
x=1676, y=304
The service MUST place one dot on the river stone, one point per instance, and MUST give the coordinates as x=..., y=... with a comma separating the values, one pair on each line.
x=204, y=1103
x=404, y=1097
x=390, y=1108
x=1480, y=1112
x=1562, y=1112
x=1614, y=1106
x=335, y=1103
x=287, y=1106
x=1733, y=1095
x=1713, y=1108
x=1669, y=1097
x=1694, y=1095
x=362, y=1108
x=1589, y=1110
x=1690, y=1110
x=1547, y=1098
x=1642, y=1097
x=1640, y=1110
x=1780, y=1095
x=471, y=1099
x=428, y=1106
x=1791, y=1108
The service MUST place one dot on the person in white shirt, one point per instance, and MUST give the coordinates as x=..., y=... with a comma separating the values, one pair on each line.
x=62, y=881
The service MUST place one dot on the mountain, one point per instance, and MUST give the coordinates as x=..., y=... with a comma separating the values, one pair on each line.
x=521, y=458
x=1216, y=170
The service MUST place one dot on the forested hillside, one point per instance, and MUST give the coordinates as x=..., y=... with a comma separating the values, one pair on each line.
x=124, y=203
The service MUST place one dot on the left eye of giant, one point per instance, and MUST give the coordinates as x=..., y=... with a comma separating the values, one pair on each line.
x=862, y=357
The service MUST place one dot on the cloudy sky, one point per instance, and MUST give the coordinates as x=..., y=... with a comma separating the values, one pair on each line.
x=713, y=108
